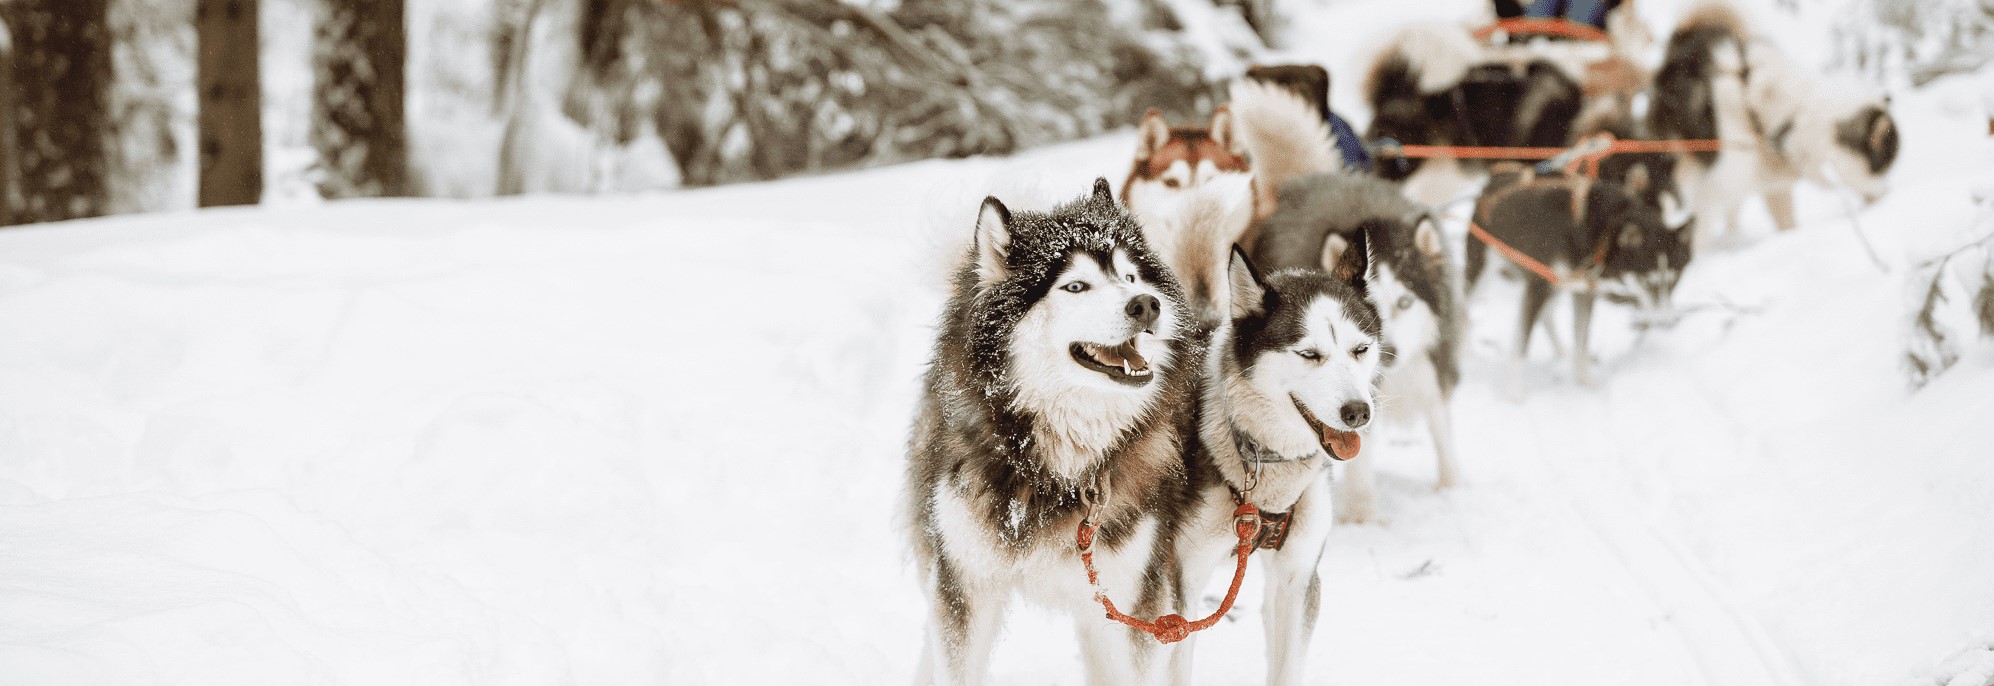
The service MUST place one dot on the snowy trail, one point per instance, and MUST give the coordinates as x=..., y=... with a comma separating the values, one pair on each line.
x=1728, y=648
x=659, y=439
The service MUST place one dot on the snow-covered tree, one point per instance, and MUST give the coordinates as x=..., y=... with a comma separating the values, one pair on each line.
x=358, y=124
x=1922, y=39
x=754, y=89
x=230, y=97
x=61, y=68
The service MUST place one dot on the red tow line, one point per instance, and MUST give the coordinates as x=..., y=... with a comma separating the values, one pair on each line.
x=1172, y=628
x=1542, y=26
x=1594, y=149
x=1514, y=255
x=1602, y=146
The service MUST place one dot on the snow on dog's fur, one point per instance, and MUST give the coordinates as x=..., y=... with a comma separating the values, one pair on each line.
x=1064, y=362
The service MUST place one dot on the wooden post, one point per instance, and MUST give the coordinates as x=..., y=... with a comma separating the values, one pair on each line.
x=230, y=103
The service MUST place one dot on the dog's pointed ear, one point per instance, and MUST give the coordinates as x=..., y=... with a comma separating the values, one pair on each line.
x=1426, y=237
x=1630, y=237
x=1249, y=294
x=1103, y=193
x=993, y=241
x=1223, y=132
x=1155, y=132
x=1347, y=258
x=1879, y=129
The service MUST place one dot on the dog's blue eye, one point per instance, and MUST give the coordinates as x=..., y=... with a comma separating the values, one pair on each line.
x=1074, y=287
x=1360, y=350
x=1309, y=354
x=1131, y=278
x=1405, y=302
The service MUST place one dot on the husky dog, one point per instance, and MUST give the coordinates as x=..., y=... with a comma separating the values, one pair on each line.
x=1183, y=181
x=1170, y=163
x=1411, y=276
x=1434, y=85
x=1063, y=364
x=1592, y=234
x=1779, y=125
x=1291, y=378
x=1417, y=291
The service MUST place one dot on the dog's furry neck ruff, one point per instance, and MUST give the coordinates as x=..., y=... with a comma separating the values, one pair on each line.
x=1275, y=484
x=1252, y=452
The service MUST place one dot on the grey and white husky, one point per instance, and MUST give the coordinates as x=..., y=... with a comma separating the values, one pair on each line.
x=1411, y=279
x=1064, y=362
x=1594, y=236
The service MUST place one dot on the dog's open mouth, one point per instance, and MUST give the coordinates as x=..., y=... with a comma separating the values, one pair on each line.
x=1119, y=362
x=1341, y=445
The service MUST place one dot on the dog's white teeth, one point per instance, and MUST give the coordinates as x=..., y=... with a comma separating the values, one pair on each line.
x=1125, y=369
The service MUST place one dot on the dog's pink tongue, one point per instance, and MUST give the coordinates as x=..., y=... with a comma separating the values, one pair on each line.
x=1341, y=445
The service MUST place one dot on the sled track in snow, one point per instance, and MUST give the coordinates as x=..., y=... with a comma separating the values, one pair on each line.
x=1730, y=649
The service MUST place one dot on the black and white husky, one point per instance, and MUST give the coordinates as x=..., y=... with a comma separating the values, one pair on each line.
x=1064, y=364
x=1411, y=279
x=1434, y=84
x=1291, y=379
x=1778, y=123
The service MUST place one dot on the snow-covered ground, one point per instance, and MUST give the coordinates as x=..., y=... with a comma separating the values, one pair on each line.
x=659, y=439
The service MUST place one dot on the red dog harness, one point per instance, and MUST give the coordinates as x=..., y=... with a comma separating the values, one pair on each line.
x=1254, y=529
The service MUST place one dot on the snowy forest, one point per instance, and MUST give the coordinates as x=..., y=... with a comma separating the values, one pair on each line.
x=164, y=104
x=528, y=342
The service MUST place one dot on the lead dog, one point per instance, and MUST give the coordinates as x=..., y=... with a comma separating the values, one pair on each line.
x=1291, y=380
x=1064, y=361
x=1411, y=277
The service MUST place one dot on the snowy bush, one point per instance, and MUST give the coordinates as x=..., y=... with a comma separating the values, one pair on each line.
x=1951, y=295
x=1921, y=39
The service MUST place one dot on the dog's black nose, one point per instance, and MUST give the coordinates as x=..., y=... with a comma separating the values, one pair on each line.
x=1144, y=309
x=1356, y=414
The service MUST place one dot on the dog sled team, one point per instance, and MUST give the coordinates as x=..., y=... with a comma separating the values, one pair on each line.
x=1135, y=390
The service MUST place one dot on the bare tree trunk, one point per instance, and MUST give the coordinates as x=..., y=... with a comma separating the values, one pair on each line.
x=231, y=103
x=9, y=194
x=61, y=68
x=358, y=123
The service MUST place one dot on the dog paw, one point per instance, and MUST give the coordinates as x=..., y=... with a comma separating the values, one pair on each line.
x=1357, y=514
